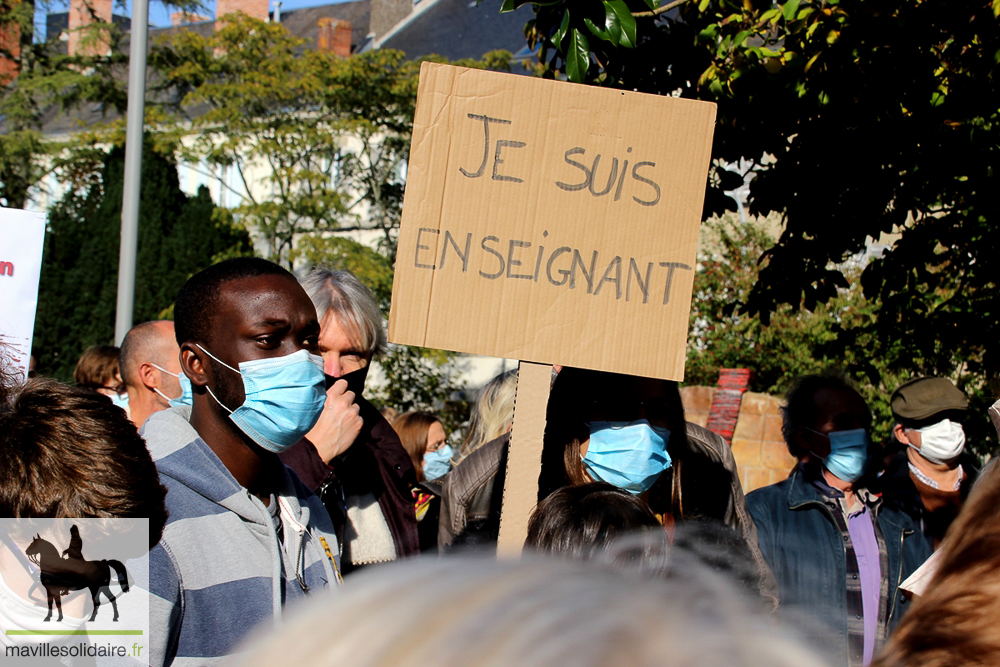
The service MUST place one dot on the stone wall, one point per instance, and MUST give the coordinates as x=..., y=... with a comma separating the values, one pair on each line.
x=759, y=450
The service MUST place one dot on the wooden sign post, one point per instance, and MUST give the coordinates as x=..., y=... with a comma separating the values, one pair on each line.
x=552, y=223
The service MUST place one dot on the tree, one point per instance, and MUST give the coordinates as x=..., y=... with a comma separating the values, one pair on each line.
x=424, y=379
x=797, y=341
x=328, y=135
x=44, y=83
x=880, y=116
x=39, y=82
x=178, y=235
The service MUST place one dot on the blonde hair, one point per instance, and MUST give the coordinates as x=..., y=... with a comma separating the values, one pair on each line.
x=492, y=415
x=531, y=612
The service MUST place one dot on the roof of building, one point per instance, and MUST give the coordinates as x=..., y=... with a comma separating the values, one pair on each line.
x=459, y=29
x=305, y=22
x=454, y=29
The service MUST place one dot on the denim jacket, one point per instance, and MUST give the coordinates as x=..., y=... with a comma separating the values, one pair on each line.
x=804, y=547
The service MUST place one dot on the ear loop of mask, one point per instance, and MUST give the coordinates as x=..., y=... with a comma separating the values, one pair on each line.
x=227, y=366
x=164, y=370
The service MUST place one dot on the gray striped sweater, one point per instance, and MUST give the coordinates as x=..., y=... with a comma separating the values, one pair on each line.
x=220, y=570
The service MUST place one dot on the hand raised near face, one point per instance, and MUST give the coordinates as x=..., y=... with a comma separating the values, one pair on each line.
x=338, y=425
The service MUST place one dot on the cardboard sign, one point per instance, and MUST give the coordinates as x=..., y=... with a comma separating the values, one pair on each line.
x=22, y=234
x=551, y=222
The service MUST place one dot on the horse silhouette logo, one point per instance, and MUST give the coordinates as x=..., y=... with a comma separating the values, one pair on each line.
x=70, y=571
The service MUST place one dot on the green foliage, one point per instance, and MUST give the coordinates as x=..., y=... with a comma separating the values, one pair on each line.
x=79, y=279
x=372, y=268
x=424, y=379
x=330, y=137
x=796, y=342
x=880, y=116
x=49, y=83
x=327, y=136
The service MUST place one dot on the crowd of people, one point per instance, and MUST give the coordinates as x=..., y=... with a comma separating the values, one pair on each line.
x=241, y=431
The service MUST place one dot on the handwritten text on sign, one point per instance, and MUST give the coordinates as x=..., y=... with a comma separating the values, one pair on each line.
x=550, y=222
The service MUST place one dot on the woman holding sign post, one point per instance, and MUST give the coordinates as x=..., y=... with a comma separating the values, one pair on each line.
x=630, y=432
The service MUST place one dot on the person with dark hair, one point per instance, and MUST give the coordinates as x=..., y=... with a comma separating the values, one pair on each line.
x=69, y=459
x=578, y=521
x=352, y=458
x=245, y=536
x=629, y=432
x=837, y=552
x=150, y=367
x=65, y=452
x=98, y=369
x=932, y=475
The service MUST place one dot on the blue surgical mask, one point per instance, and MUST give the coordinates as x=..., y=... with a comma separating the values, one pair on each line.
x=848, y=456
x=185, y=397
x=437, y=463
x=121, y=400
x=629, y=455
x=284, y=398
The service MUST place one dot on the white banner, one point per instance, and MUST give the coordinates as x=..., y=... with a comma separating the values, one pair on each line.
x=22, y=234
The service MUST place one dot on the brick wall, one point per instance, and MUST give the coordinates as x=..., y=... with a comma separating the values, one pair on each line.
x=83, y=13
x=182, y=18
x=253, y=8
x=334, y=36
x=10, y=42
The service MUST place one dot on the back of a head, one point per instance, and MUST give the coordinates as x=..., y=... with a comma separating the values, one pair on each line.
x=452, y=612
x=493, y=413
x=341, y=294
x=97, y=367
x=144, y=343
x=199, y=297
x=577, y=521
x=68, y=452
x=954, y=623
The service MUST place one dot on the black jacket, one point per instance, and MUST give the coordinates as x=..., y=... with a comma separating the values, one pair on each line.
x=376, y=463
x=900, y=493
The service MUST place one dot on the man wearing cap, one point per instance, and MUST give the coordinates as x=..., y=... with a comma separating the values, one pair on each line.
x=931, y=477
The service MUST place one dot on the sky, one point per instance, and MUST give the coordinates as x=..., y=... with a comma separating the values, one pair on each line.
x=159, y=14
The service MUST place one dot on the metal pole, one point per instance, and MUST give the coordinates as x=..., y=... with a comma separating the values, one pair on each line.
x=133, y=168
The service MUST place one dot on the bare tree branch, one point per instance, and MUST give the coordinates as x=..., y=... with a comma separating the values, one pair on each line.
x=659, y=10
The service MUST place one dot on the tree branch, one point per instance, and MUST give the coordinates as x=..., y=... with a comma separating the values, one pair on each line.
x=659, y=10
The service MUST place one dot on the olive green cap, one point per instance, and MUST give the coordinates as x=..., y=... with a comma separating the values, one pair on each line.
x=924, y=397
